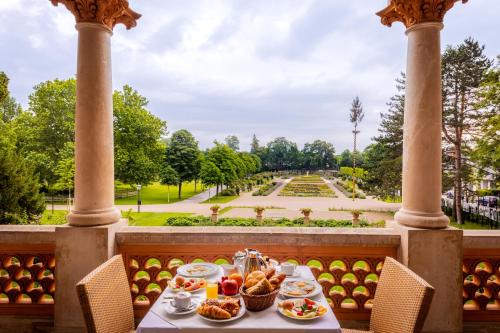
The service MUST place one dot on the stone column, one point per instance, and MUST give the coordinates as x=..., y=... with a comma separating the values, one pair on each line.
x=94, y=160
x=422, y=130
x=94, y=167
x=89, y=239
x=428, y=246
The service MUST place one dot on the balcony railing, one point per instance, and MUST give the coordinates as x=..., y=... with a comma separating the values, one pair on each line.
x=346, y=262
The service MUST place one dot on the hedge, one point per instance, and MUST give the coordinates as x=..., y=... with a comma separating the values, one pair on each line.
x=183, y=221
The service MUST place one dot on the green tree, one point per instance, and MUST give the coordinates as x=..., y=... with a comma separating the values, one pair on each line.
x=464, y=68
x=169, y=177
x=9, y=108
x=255, y=147
x=210, y=174
x=383, y=159
x=65, y=169
x=139, y=151
x=486, y=151
x=4, y=86
x=43, y=131
x=233, y=142
x=318, y=155
x=20, y=198
x=227, y=161
x=182, y=154
x=282, y=154
x=356, y=116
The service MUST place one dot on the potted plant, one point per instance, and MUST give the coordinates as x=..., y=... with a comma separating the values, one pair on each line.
x=259, y=210
x=215, y=211
x=306, y=212
x=355, y=216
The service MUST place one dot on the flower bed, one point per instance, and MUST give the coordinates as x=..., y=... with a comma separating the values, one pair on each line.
x=266, y=189
x=309, y=188
x=348, y=193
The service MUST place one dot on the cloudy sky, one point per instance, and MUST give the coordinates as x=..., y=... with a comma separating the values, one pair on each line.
x=217, y=67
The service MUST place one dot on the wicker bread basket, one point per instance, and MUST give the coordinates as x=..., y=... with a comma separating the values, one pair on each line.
x=258, y=302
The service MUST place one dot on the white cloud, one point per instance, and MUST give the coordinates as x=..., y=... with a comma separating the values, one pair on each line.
x=218, y=67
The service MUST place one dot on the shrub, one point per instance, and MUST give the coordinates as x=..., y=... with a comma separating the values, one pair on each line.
x=182, y=221
x=229, y=192
x=266, y=189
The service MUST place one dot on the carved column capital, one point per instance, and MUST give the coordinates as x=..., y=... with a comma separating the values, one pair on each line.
x=411, y=12
x=106, y=12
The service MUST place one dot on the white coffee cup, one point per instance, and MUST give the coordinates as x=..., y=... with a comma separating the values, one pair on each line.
x=182, y=300
x=288, y=268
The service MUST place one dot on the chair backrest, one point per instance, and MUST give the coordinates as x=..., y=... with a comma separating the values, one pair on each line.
x=105, y=298
x=402, y=300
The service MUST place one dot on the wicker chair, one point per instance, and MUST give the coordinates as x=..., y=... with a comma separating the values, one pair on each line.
x=401, y=302
x=105, y=298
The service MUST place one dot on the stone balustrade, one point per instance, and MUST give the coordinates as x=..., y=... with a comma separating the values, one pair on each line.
x=346, y=262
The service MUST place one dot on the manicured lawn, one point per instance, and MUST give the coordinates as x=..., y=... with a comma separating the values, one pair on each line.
x=150, y=219
x=157, y=194
x=220, y=199
x=135, y=219
x=469, y=225
x=307, y=186
x=59, y=217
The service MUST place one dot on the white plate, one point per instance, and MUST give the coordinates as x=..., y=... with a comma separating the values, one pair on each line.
x=206, y=269
x=282, y=311
x=240, y=314
x=173, y=290
x=172, y=310
x=317, y=289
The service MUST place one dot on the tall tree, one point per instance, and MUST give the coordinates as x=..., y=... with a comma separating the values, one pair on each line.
x=9, y=108
x=139, y=151
x=20, y=198
x=65, y=169
x=356, y=116
x=47, y=126
x=226, y=160
x=463, y=69
x=486, y=152
x=169, y=176
x=383, y=159
x=282, y=154
x=233, y=142
x=255, y=146
x=318, y=155
x=182, y=155
x=210, y=174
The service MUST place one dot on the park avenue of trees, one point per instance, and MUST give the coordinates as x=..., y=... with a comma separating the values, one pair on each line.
x=37, y=143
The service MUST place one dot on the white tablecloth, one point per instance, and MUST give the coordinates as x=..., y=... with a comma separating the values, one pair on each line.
x=269, y=320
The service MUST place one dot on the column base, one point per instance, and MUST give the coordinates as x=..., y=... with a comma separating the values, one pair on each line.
x=436, y=256
x=78, y=252
x=93, y=218
x=422, y=220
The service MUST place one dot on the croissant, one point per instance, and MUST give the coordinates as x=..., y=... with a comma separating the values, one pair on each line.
x=276, y=280
x=231, y=306
x=261, y=288
x=269, y=272
x=214, y=312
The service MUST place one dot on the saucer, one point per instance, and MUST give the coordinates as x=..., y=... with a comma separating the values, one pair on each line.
x=295, y=274
x=171, y=309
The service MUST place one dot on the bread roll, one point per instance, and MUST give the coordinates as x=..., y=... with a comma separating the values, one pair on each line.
x=261, y=288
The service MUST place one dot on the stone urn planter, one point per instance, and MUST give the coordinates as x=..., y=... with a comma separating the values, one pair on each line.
x=215, y=213
x=259, y=210
x=355, y=216
x=306, y=212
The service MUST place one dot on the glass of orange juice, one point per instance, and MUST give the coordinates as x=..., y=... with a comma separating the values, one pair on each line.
x=212, y=290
